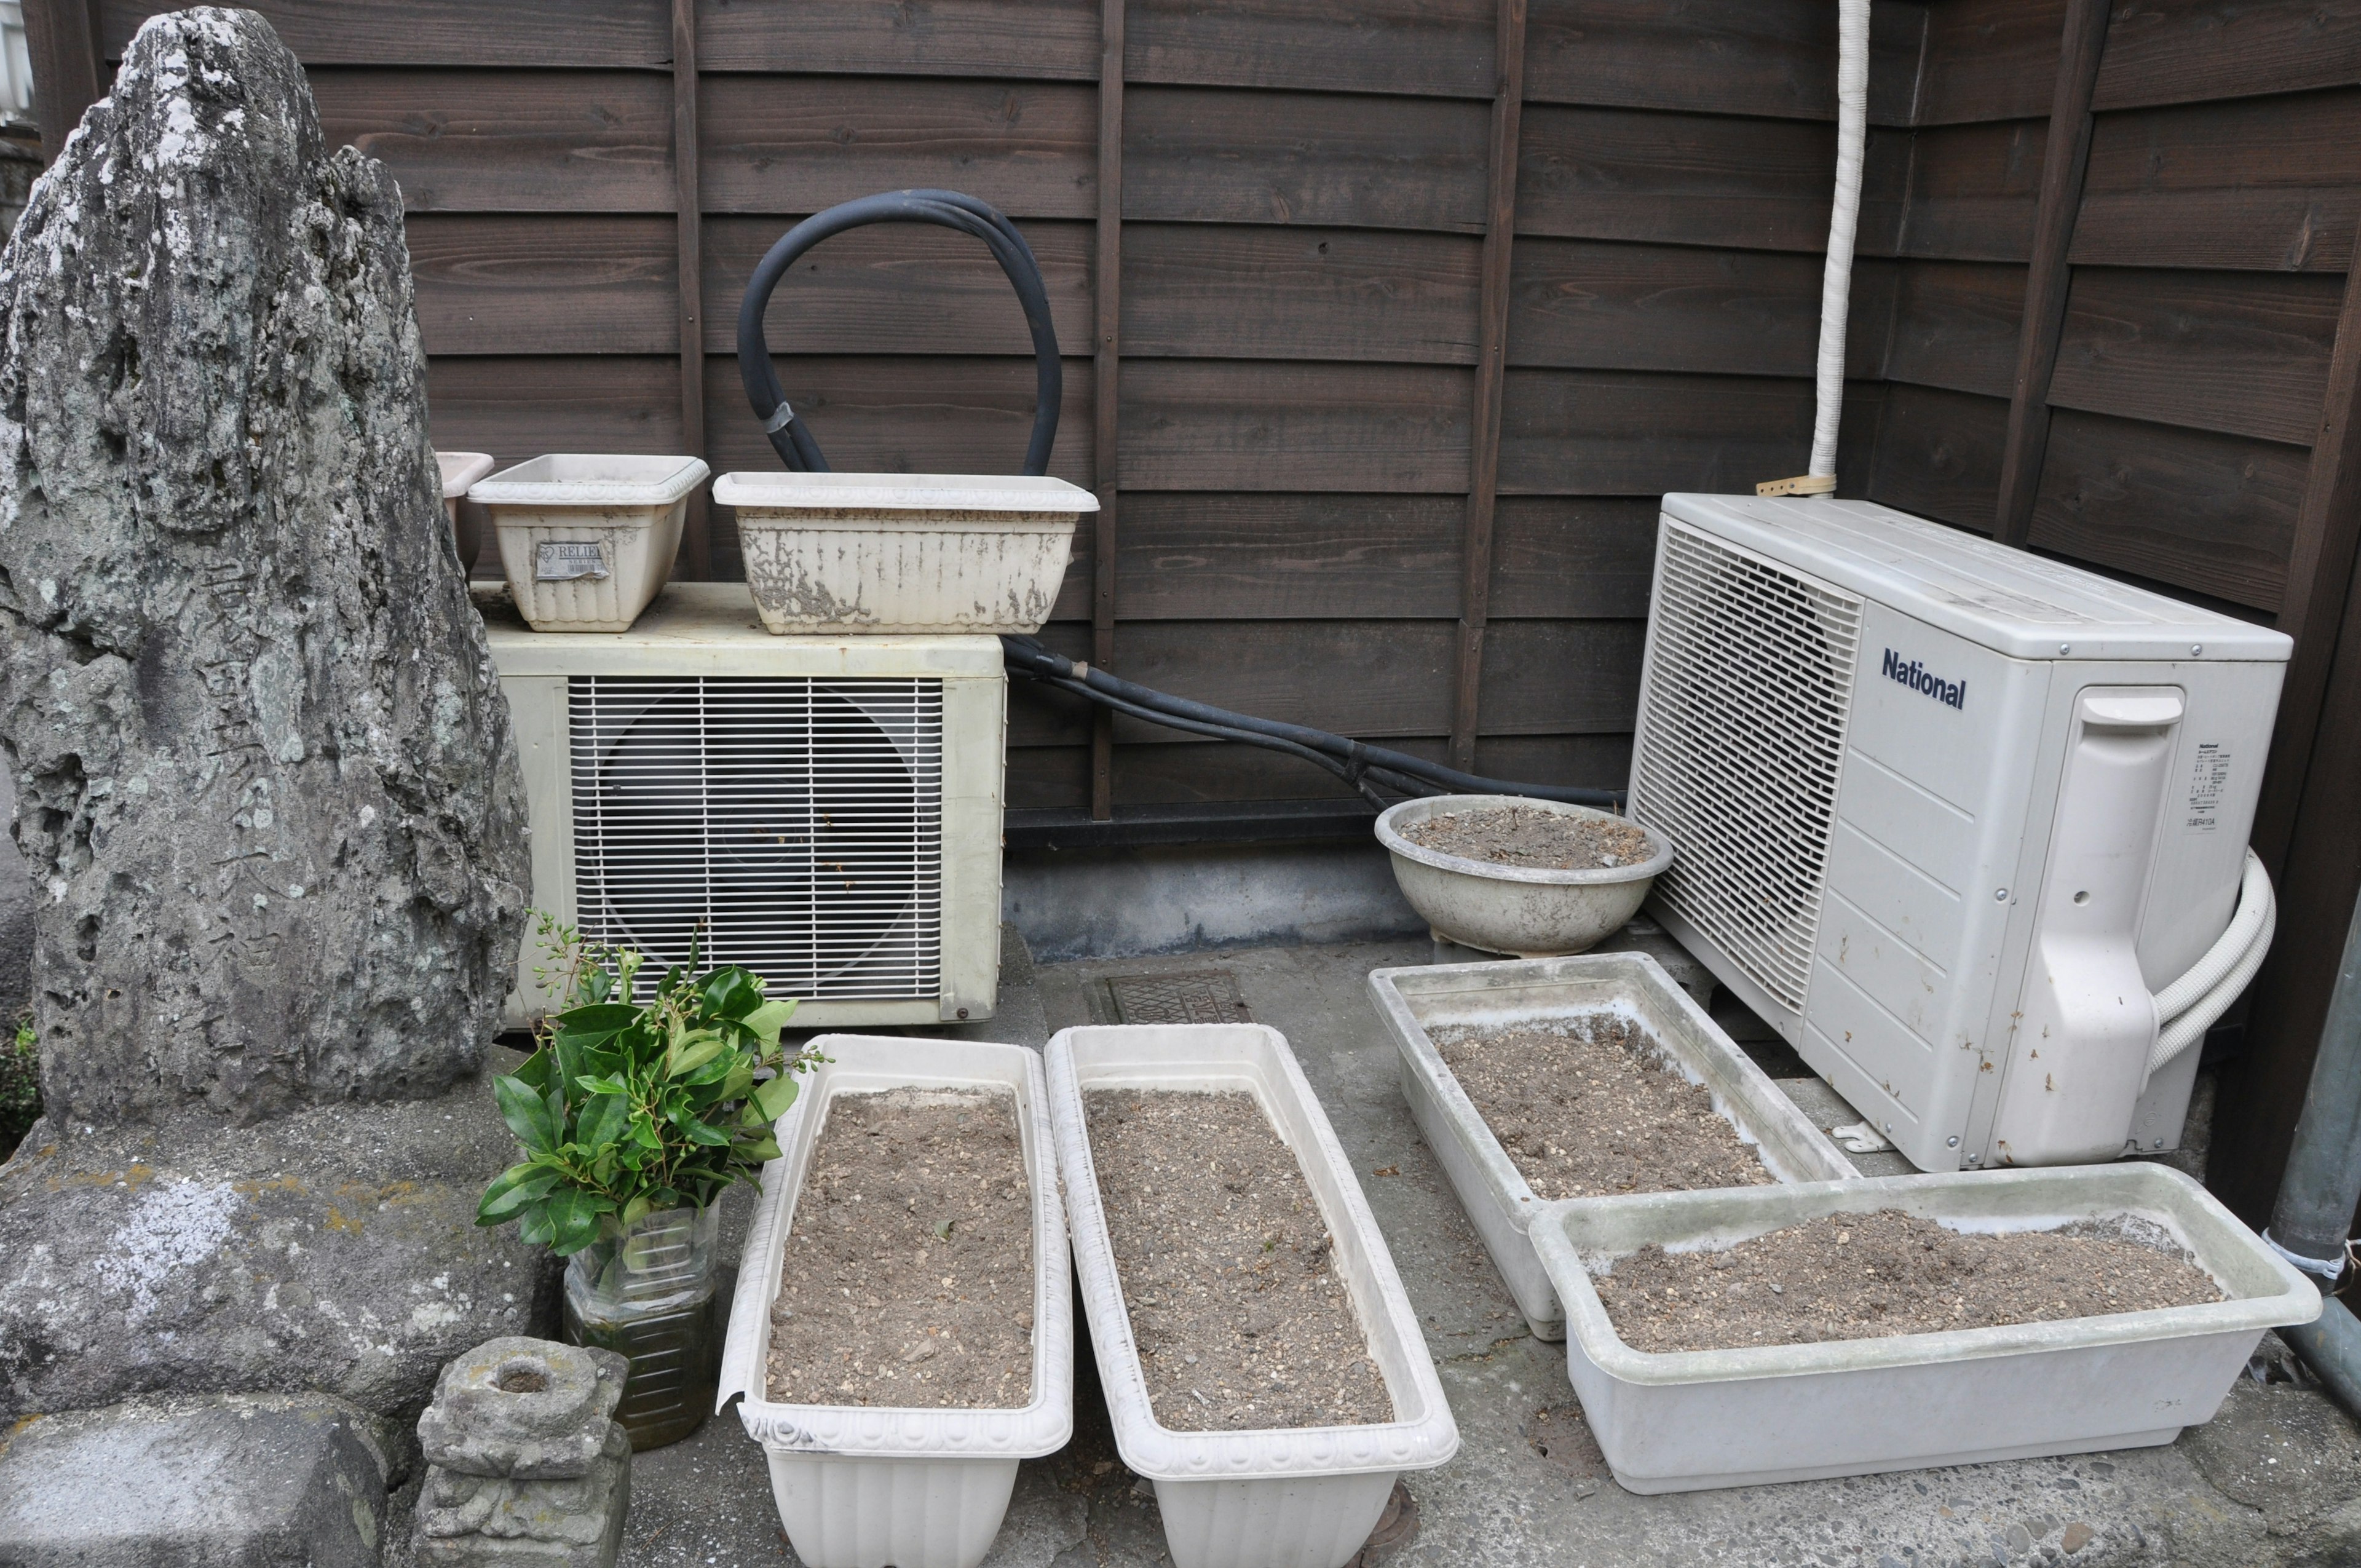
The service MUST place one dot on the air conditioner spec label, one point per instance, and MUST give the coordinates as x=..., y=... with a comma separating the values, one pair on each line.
x=567, y=560
x=2209, y=777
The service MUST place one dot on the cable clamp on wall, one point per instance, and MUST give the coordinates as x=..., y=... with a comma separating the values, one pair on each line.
x=781, y=417
x=1801, y=485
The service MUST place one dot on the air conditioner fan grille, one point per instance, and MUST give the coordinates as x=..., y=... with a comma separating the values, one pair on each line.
x=1743, y=723
x=793, y=825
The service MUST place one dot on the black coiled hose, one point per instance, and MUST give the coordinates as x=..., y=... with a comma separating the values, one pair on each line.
x=1367, y=769
x=793, y=443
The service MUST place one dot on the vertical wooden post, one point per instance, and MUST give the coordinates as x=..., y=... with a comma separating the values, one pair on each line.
x=2320, y=573
x=1491, y=361
x=2065, y=158
x=1106, y=390
x=63, y=47
x=695, y=540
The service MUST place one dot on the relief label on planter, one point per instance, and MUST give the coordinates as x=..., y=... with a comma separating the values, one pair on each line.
x=1228, y=1271
x=568, y=561
x=907, y=1277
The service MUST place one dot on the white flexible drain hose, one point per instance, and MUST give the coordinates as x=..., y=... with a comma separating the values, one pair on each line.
x=2188, y=1007
x=1844, y=216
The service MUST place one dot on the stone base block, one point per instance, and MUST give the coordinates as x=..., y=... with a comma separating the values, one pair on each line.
x=225, y=1481
x=333, y=1249
x=485, y=1522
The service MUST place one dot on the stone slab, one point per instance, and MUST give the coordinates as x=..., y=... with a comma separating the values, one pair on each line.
x=332, y=1249
x=223, y=1482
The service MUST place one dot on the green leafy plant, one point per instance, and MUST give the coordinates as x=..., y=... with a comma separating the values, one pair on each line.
x=20, y=1084
x=631, y=1108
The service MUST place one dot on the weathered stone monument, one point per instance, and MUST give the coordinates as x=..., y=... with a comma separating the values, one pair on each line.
x=525, y=1461
x=267, y=787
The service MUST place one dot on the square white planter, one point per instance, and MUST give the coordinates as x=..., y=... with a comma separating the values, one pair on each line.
x=1277, y=1497
x=1737, y=1417
x=870, y=1486
x=903, y=553
x=587, y=538
x=1542, y=991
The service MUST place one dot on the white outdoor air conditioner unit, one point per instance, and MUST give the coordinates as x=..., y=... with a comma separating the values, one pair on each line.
x=823, y=810
x=1946, y=813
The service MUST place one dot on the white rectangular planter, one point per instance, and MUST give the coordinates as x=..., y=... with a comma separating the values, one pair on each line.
x=903, y=553
x=867, y=1486
x=1541, y=991
x=587, y=538
x=1796, y=1413
x=460, y=470
x=1277, y=1497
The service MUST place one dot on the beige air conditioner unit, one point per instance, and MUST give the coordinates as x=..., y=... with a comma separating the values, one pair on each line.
x=823, y=810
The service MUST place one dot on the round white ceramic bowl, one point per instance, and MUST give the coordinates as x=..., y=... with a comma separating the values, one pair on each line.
x=1524, y=911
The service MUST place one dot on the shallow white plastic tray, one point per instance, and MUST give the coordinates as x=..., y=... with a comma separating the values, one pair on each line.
x=1736, y=1418
x=1496, y=1198
x=587, y=538
x=1276, y=1498
x=903, y=553
x=865, y=1486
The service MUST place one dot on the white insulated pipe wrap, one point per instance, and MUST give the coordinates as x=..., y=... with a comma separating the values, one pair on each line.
x=1844, y=216
x=2188, y=1007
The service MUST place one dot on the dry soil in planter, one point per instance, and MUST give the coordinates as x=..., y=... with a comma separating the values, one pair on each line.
x=1845, y=1276
x=1530, y=837
x=1241, y=1319
x=1589, y=1107
x=907, y=1277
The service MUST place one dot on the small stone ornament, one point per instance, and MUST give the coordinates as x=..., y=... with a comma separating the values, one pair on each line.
x=526, y=1463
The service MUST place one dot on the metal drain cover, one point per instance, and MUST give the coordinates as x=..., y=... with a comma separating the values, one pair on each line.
x=1197, y=996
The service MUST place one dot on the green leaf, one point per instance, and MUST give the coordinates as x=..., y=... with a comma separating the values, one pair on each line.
x=693, y=1053
x=604, y=1122
x=574, y=1220
x=527, y=1114
x=740, y=1080
x=513, y=1189
x=697, y=1132
x=767, y=1020
x=762, y=1151
x=598, y=1017
x=774, y=1097
x=533, y=1072
x=535, y=1227
x=730, y=992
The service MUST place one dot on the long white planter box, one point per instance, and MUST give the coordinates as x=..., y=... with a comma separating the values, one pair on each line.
x=1276, y=1498
x=587, y=538
x=1542, y=991
x=865, y=1486
x=1735, y=1418
x=903, y=553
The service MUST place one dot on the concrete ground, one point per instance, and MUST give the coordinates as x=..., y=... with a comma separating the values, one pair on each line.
x=2273, y=1479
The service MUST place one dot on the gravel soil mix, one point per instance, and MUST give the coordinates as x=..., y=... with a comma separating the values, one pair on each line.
x=1589, y=1107
x=1873, y=1276
x=1530, y=837
x=907, y=1278
x=1240, y=1316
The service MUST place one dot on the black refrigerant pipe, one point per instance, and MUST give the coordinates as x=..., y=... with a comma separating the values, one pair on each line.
x=1369, y=768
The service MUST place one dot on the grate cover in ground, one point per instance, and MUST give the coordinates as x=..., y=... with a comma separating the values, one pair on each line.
x=1198, y=996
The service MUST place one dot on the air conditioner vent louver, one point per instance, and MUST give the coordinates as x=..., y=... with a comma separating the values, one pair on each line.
x=1748, y=694
x=791, y=825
